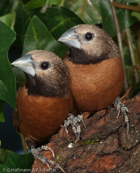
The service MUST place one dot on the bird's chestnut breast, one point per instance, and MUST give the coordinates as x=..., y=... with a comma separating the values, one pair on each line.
x=41, y=117
x=95, y=86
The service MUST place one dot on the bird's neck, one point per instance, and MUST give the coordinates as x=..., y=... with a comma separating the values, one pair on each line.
x=37, y=87
x=80, y=57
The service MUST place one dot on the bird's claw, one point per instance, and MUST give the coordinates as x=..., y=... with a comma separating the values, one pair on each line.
x=44, y=147
x=74, y=122
x=36, y=154
x=122, y=108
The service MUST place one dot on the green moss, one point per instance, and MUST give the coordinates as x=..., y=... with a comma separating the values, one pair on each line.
x=90, y=141
x=86, y=142
x=58, y=158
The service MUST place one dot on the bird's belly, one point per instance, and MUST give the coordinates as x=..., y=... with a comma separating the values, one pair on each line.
x=95, y=86
x=41, y=117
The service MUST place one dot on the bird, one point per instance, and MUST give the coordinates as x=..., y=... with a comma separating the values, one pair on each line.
x=95, y=69
x=43, y=101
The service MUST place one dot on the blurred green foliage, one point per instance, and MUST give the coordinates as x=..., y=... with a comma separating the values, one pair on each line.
x=12, y=162
x=36, y=24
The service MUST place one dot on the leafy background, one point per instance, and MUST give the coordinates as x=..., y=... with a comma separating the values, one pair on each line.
x=28, y=25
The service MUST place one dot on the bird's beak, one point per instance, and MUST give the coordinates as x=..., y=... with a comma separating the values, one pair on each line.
x=25, y=63
x=70, y=38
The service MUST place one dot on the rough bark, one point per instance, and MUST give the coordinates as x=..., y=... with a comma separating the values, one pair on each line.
x=104, y=145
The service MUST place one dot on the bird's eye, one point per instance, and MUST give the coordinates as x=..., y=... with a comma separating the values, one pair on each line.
x=88, y=36
x=45, y=65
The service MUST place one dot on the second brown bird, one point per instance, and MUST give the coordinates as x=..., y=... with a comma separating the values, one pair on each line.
x=44, y=100
x=95, y=68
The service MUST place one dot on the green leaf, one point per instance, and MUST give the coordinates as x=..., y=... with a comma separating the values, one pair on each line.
x=7, y=6
x=1, y=111
x=8, y=19
x=16, y=162
x=7, y=79
x=58, y=20
x=88, y=11
x=20, y=77
x=3, y=154
x=124, y=17
x=136, y=14
x=23, y=18
x=53, y=2
x=34, y=4
x=37, y=3
x=38, y=37
x=108, y=23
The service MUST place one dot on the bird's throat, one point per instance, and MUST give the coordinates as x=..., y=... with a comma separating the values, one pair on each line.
x=80, y=57
x=37, y=87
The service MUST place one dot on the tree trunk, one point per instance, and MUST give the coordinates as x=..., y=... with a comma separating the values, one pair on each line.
x=104, y=145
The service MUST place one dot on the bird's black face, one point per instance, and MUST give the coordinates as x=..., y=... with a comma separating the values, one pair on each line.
x=51, y=77
x=35, y=84
x=89, y=44
x=87, y=53
x=46, y=74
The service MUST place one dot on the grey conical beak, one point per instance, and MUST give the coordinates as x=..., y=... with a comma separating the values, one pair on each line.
x=70, y=38
x=25, y=63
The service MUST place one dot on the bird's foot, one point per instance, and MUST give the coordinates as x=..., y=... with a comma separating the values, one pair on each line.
x=122, y=108
x=36, y=154
x=74, y=122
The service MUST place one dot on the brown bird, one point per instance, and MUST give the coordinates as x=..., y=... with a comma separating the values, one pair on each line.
x=44, y=100
x=95, y=69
